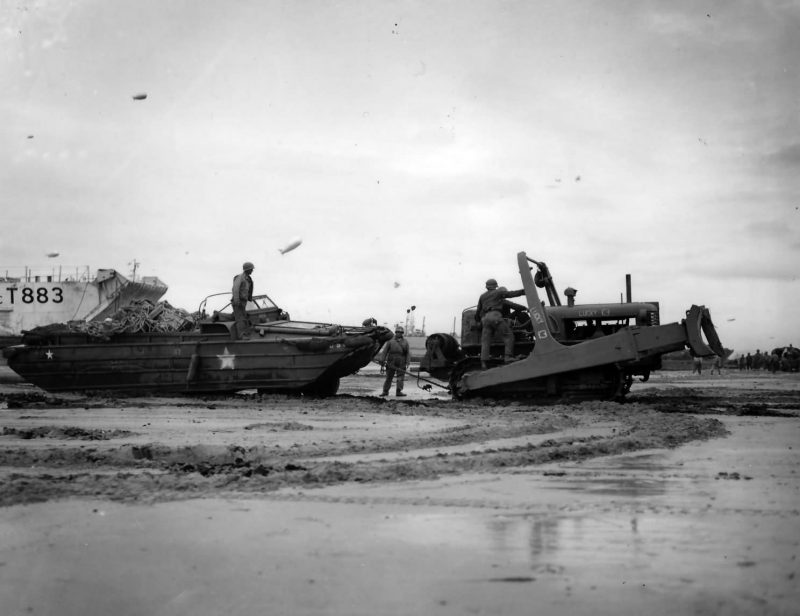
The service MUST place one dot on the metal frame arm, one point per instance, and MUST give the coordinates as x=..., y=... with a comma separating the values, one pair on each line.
x=545, y=343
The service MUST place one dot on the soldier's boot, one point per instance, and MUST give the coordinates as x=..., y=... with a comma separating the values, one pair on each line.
x=400, y=394
x=384, y=394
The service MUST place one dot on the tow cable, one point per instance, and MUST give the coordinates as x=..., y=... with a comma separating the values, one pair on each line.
x=418, y=377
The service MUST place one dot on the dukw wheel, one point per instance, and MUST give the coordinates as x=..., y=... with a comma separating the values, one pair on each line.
x=322, y=388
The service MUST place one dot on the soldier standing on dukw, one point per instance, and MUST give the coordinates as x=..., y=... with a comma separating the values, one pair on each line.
x=242, y=293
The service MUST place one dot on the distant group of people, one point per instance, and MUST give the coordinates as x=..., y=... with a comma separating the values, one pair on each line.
x=781, y=358
x=785, y=359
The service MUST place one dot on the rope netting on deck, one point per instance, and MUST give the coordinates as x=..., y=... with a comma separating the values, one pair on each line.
x=140, y=316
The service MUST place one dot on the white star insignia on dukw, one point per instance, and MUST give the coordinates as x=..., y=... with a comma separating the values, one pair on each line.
x=49, y=354
x=226, y=360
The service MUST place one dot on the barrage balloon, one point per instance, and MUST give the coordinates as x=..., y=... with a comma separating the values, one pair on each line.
x=291, y=245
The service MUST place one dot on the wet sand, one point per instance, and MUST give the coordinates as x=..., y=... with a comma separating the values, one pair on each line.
x=711, y=526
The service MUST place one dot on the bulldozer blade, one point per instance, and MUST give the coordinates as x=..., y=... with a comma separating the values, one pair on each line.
x=698, y=322
x=625, y=346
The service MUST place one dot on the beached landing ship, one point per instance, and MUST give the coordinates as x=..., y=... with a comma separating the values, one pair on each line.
x=280, y=355
x=31, y=297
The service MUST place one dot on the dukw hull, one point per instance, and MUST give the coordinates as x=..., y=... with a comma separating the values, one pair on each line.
x=194, y=362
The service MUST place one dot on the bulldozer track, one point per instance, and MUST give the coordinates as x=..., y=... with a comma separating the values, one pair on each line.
x=601, y=383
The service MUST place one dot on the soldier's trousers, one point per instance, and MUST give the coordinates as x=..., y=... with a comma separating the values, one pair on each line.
x=242, y=322
x=493, y=323
x=395, y=364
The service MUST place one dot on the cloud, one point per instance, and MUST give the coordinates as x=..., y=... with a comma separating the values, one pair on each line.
x=787, y=156
x=773, y=229
x=758, y=269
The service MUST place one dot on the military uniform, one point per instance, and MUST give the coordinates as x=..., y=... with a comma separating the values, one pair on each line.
x=490, y=316
x=396, y=356
x=242, y=293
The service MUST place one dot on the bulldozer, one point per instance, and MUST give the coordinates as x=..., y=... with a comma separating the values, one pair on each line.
x=577, y=351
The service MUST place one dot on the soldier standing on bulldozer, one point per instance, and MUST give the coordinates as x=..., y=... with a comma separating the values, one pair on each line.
x=490, y=316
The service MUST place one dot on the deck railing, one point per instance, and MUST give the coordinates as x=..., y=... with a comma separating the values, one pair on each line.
x=61, y=273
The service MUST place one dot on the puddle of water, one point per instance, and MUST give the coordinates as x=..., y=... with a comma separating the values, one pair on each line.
x=675, y=560
x=622, y=487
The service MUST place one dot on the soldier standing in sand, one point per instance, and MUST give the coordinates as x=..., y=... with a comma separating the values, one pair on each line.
x=395, y=356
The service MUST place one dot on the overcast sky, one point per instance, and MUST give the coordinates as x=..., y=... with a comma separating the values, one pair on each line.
x=416, y=148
